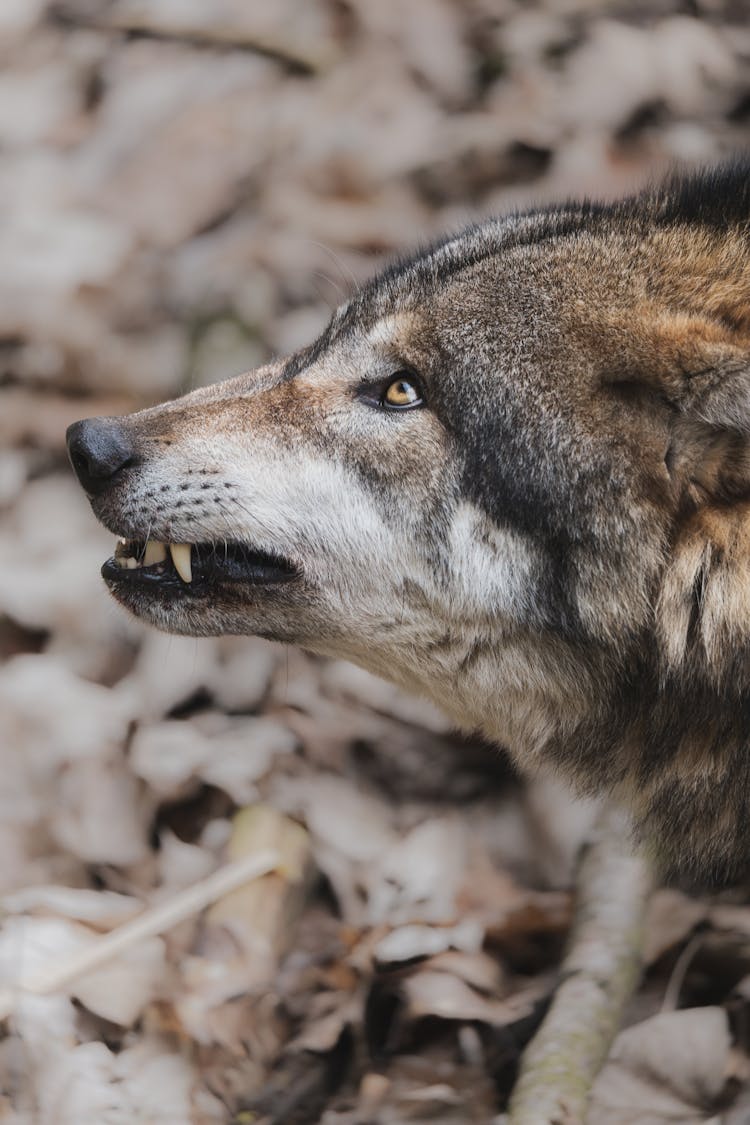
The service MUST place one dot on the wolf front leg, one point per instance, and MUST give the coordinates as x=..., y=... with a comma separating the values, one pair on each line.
x=598, y=975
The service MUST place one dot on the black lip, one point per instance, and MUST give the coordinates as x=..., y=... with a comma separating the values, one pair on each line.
x=212, y=564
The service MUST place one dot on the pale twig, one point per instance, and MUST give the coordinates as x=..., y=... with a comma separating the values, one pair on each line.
x=677, y=979
x=61, y=973
x=598, y=975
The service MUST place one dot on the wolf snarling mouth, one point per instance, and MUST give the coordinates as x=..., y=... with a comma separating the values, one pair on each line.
x=179, y=568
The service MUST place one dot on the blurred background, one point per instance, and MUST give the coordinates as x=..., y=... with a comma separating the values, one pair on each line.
x=188, y=189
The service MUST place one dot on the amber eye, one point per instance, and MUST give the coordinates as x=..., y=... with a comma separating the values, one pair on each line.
x=401, y=394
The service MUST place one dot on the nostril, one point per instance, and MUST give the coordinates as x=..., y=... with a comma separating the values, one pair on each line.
x=79, y=462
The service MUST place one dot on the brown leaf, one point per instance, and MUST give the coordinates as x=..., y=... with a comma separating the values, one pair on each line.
x=433, y=993
x=669, y=1068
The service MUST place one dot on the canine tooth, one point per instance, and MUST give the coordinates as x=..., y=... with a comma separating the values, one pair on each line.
x=155, y=552
x=180, y=553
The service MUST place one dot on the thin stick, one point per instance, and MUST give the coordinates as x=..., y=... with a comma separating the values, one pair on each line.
x=59, y=975
x=599, y=973
x=679, y=972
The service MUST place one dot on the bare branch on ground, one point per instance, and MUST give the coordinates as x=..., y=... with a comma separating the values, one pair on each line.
x=598, y=975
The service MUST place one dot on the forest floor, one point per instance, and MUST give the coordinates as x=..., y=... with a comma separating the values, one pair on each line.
x=185, y=196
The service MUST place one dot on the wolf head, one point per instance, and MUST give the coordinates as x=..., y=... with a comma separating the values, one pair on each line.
x=513, y=474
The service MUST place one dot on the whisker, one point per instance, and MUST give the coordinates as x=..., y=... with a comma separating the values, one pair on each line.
x=322, y=295
x=343, y=270
x=237, y=503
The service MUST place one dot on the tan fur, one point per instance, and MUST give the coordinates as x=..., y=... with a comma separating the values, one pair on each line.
x=707, y=585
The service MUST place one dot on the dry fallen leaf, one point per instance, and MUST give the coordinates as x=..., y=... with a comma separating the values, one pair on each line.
x=100, y=909
x=407, y=942
x=430, y=992
x=420, y=872
x=672, y=1067
x=118, y=991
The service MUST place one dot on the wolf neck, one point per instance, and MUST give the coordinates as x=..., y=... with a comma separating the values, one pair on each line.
x=526, y=693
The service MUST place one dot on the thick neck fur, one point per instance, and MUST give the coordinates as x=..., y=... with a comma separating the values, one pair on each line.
x=676, y=750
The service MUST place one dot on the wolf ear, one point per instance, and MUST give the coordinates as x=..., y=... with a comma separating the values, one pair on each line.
x=706, y=377
x=700, y=366
x=700, y=369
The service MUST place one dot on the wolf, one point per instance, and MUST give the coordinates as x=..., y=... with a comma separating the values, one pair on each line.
x=512, y=475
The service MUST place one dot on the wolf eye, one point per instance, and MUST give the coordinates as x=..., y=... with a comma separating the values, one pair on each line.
x=401, y=394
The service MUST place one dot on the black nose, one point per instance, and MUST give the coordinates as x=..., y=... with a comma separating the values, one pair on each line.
x=98, y=449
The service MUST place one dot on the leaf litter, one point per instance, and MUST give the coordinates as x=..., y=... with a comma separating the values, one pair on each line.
x=239, y=883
